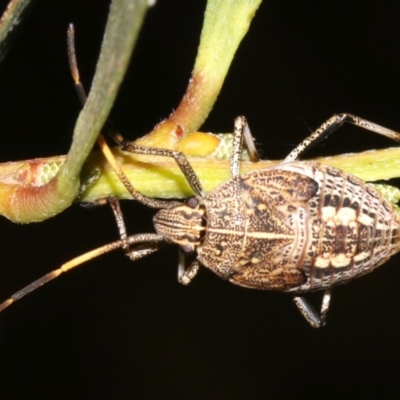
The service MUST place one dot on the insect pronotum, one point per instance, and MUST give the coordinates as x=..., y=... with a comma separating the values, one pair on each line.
x=297, y=227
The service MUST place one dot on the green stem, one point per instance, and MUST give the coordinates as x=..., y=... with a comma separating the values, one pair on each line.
x=9, y=22
x=226, y=22
x=160, y=177
x=22, y=202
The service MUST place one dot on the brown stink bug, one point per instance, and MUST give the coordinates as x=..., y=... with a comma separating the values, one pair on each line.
x=296, y=227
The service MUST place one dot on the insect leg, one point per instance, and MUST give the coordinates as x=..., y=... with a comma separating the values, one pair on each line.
x=241, y=132
x=119, y=218
x=186, y=274
x=138, y=251
x=332, y=124
x=180, y=159
x=309, y=312
x=145, y=243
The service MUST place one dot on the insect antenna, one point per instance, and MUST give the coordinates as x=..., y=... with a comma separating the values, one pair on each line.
x=110, y=130
x=179, y=157
x=147, y=243
x=144, y=244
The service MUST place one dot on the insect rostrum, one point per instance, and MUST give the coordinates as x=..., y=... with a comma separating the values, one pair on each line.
x=296, y=227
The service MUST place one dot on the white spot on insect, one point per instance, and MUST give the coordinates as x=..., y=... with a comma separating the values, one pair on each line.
x=345, y=215
x=340, y=261
x=276, y=272
x=321, y=262
x=361, y=256
x=328, y=213
x=365, y=220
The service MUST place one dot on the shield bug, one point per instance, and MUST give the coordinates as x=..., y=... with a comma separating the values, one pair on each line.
x=296, y=227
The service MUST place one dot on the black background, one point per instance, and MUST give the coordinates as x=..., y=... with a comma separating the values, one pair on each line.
x=115, y=330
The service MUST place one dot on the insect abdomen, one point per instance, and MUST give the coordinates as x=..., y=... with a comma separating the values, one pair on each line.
x=353, y=229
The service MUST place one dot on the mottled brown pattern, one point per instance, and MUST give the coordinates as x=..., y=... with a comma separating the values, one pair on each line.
x=353, y=229
x=183, y=225
x=295, y=227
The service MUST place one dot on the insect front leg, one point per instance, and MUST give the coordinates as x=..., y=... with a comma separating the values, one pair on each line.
x=119, y=218
x=309, y=312
x=241, y=133
x=179, y=157
x=332, y=124
x=137, y=252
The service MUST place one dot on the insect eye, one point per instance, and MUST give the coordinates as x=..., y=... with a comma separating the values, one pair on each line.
x=192, y=202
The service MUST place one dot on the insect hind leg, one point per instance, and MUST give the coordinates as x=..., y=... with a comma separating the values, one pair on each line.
x=331, y=125
x=310, y=314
